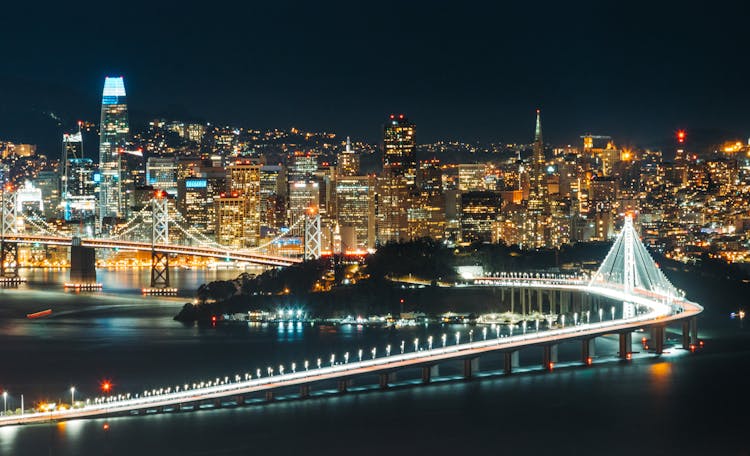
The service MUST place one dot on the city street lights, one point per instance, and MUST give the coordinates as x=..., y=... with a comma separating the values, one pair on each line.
x=307, y=364
x=471, y=335
x=388, y=350
x=319, y=363
x=416, y=344
x=537, y=325
x=333, y=359
x=402, y=347
x=72, y=396
x=575, y=318
x=445, y=338
x=5, y=402
x=346, y=358
x=429, y=343
x=458, y=337
x=497, y=331
x=294, y=367
x=613, y=312
x=281, y=369
x=484, y=333
x=359, y=353
x=600, y=314
x=374, y=351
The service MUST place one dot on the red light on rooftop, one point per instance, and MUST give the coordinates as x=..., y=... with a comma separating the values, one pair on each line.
x=681, y=136
x=392, y=117
x=106, y=386
x=400, y=116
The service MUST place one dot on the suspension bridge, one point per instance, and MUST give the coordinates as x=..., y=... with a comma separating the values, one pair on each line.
x=157, y=228
x=628, y=276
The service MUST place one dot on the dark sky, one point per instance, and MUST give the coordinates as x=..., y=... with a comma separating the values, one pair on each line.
x=460, y=69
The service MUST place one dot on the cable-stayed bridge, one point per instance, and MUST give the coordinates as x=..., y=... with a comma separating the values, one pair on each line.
x=584, y=309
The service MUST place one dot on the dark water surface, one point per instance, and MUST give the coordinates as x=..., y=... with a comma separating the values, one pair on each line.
x=676, y=404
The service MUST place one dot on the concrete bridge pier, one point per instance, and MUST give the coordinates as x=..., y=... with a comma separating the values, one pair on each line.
x=269, y=396
x=240, y=400
x=344, y=384
x=428, y=372
x=686, y=334
x=540, y=299
x=304, y=391
x=588, y=350
x=385, y=379
x=657, y=339
x=626, y=344
x=512, y=300
x=217, y=403
x=694, y=330
x=471, y=365
x=82, y=263
x=549, y=356
x=510, y=361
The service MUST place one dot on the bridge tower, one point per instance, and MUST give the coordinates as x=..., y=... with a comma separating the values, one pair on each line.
x=312, y=236
x=159, y=235
x=8, y=250
x=628, y=309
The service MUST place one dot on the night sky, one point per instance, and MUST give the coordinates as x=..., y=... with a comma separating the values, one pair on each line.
x=463, y=70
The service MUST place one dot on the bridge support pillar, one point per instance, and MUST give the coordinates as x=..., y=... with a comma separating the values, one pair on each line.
x=304, y=391
x=626, y=344
x=512, y=300
x=428, y=372
x=217, y=403
x=385, y=379
x=82, y=263
x=471, y=366
x=549, y=356
x=694, y=330
x=657, y=339
x=8, y=260
x=540, y=299
x=240, y=400
x=686, y=334
x=510, y=361
x=269, y=396
x=343, y=385
x=588, y=351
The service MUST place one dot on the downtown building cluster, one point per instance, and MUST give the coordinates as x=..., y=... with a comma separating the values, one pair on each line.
x=243, y=188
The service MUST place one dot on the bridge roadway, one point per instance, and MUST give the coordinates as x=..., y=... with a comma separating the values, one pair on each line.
x=236, y=255
x=660, y=314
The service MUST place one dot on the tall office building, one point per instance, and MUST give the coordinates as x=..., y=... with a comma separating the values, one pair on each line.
x=400, y=147
x=243, y=177
x=72, y=148
x=230, y=220
x=113, y=133
x=355, y=204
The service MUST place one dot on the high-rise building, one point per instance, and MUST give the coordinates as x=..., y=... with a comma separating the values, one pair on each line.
x=113, y=133
x=243, y=177
x=81, y=186
x=393, y=199
x=193, y=201
x=400, y=147
x=471, y=177
x=304, y=196
x=72, y=148
x=303, y=166
x=230, y=220
x=479, y=216
x=348, y=161
x=536, y=229
x=355, y=204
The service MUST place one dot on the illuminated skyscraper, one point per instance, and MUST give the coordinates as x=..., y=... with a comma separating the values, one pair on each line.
x=113, y=133
x=243, y=177
x=536, y=229
x=348, y=161
x=400, y=147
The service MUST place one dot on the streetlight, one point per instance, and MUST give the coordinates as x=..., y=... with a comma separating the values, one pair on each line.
x=72, y=396
x=563, y=320
x=257, y=372
x=416, y=344
x=588, y=317
x=346, y=358
x=319, y=363
x=613, y=312
x=281, y=369
x=445, y=338
x=5, y=402
x=294, y=367
x=429, y=342
x=374, y=351
x=333, y=359
x=471, y=335
x=388, y=350
x=458, y=337
x=497, y=330
x=575, y=318
x=307, y=364
x=359, y=354
x=537, y=325
x=402, y=347
x=484, y=333
x=600, y=314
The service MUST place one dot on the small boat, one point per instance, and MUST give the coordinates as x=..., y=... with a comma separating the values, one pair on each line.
x=39, y=314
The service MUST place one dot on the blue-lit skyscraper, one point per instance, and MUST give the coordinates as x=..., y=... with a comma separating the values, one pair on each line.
x=113, y=133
